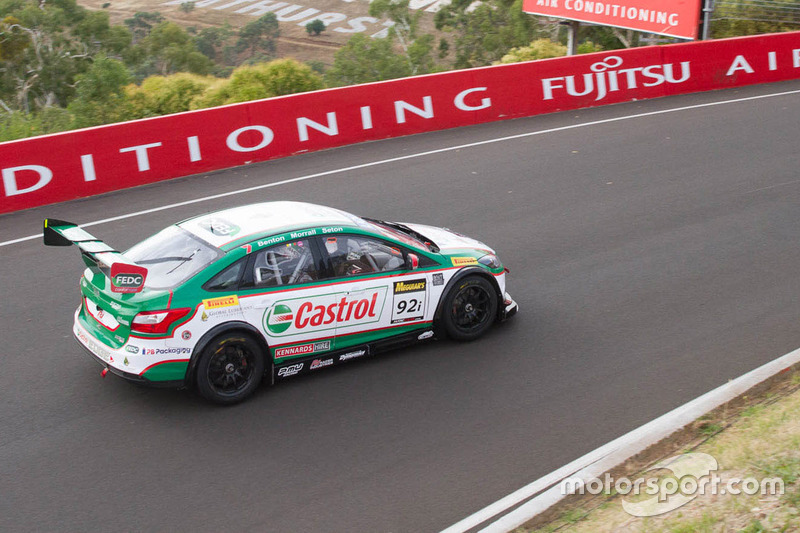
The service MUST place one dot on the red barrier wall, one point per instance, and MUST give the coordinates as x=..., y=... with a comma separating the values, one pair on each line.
x=59, y=167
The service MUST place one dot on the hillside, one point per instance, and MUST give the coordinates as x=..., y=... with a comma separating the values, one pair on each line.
x=343, y=18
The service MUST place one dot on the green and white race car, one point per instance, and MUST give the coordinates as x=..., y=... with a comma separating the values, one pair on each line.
x=219, y=301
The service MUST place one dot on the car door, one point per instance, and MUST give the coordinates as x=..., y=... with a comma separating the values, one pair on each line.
x=282, y=293
x=379, y=296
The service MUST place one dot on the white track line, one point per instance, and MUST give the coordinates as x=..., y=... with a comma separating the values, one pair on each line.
x=595, y=463
x=410, y=156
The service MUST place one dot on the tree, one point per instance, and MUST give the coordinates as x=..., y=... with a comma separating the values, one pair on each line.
x=485, y=32
x=743, y=17
x=363, y=60
x=141, y=23
x=263, y=80
x=259, y=35
x=163, y=95
x=416, y=48
x=170, y=49
x=214, y=43
x=100, y=96
x=315, y=27
x=538, y=49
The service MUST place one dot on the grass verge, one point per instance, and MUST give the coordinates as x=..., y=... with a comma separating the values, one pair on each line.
x=756, y=436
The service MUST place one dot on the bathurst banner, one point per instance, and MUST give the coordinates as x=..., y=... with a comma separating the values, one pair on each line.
x=676, y=18
x=55, y=168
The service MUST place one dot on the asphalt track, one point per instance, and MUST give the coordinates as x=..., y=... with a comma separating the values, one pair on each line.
x=654, y=258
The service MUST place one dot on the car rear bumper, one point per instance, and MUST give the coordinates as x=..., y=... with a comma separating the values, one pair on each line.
x=109, y=358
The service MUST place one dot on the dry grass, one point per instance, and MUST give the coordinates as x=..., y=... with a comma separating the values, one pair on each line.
x=763, y=441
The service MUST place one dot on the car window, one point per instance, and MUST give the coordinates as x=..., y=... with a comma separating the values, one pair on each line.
x=352, y=255
x=228, y=279
x=284, y=264
x=172, y=256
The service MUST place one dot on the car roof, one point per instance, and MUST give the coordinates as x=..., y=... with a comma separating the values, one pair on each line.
x=258, y=220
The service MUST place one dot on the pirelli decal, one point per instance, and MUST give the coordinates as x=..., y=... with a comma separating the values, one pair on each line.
x=464, y=261
x=225, y=301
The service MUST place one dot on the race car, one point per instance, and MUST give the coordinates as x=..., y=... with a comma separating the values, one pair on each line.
x=279, y=289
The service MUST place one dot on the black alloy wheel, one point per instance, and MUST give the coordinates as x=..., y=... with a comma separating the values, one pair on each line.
x=470, y=308
x=230, y=369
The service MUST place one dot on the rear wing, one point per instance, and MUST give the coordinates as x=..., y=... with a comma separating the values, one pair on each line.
x=125, y=276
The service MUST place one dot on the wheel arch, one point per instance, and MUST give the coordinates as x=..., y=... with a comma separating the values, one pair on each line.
x=461, y=274
x=216, y=331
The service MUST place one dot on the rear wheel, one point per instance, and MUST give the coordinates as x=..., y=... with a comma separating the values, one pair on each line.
x=469, y=308
x=230, y=368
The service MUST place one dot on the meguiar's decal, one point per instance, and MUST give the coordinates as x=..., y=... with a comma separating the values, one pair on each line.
x=409, y=300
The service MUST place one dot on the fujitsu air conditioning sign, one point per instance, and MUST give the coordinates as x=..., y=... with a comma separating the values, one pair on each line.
x=675, y=18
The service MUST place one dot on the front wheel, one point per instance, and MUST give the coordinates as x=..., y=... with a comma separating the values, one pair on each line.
x=469, y=308
x=230, y=369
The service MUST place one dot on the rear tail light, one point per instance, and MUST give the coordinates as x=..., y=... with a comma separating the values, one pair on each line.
x=157, y=321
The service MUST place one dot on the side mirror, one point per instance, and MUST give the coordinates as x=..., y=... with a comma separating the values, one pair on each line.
x=412, y=262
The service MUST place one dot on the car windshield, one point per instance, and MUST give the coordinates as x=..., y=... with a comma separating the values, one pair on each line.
x=172, y=256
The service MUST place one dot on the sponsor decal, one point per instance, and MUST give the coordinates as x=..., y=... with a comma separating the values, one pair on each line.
x=100, y=313
x=220, y=313
x=332, y=230
x=303, y=349
x=319, y=363
x=463, y=261
x=127, y=278
x=186, y=335
x=438, y=279
x=218, y=226
x=132, y=349
x=409, y=286
x=324, y=312
x=352, y=355
x=290, y=370
x=279, y=318
x=677, y=19
x=124, y=280
x=607, y=76
x=91, y=345
x=119, y=339
x=409, y=300
x=224, y=301
x=125, y=362
x=165, y=351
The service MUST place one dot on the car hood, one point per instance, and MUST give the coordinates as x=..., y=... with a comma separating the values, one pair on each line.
x=447, y=239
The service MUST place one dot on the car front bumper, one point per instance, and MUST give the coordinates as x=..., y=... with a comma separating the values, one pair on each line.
x=509, y=309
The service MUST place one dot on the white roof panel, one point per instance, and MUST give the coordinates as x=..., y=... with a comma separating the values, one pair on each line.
x=222, y=227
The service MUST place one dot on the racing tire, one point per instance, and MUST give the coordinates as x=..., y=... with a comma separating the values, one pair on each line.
x=230, y=368
x=470, y=308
